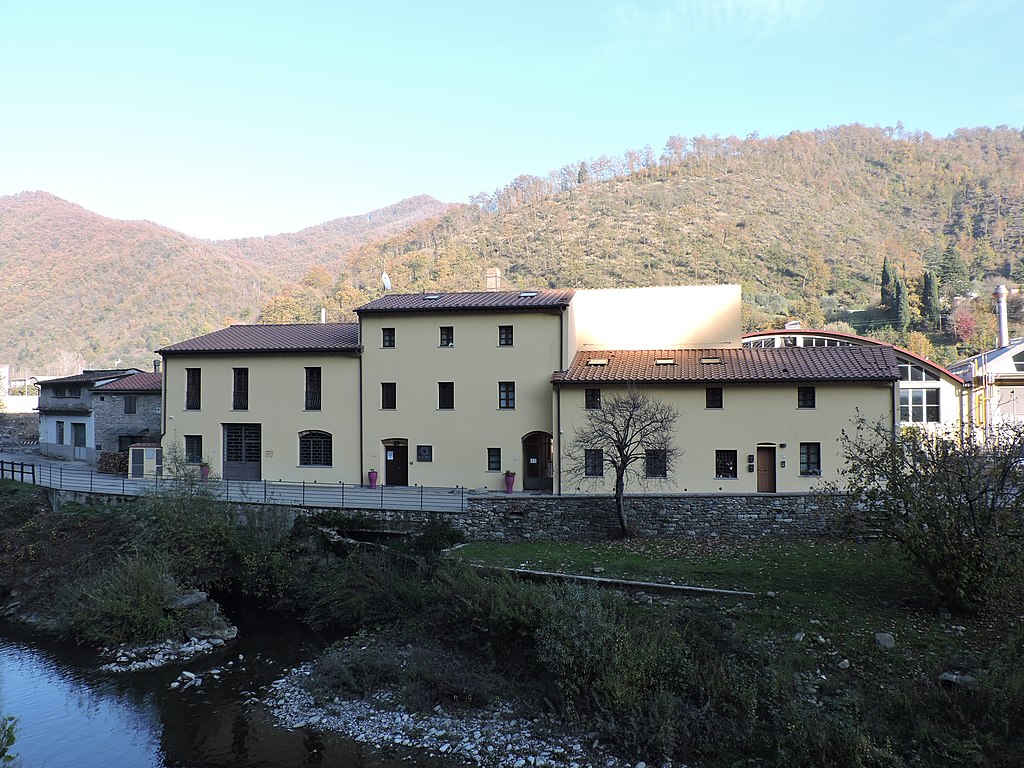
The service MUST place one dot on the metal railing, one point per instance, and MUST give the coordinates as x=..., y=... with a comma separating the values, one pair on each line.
x=279, y=492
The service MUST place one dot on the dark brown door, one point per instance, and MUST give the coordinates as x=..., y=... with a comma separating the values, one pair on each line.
x=765, y=469
x=243, y=447
x=396, y=464
x=537, y=462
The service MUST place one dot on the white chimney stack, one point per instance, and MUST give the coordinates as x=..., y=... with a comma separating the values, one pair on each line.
x=323, y=315
x=1003, y=331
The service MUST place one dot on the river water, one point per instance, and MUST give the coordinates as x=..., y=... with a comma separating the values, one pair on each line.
x=71, y=715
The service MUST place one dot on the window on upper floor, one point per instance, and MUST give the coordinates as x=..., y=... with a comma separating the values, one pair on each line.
x=193, y=449
x=725, y=464
x=447, y=336
x=193, y=388
x=315, y=448
x=506, y=395
x=810, y=458
x=445, y=395
x=130, y=404
x=593, y=462
x=314, y=383
x=912, y=372
x=494, y=459
x=504, y=335
x=919, y=405
x=75, y=390
x=713, y=398
x=60, y=391
x=240, y=389
x=388, y=396
x=387, y=338
x=656, y=463
x=805, y=397
x=592, y=399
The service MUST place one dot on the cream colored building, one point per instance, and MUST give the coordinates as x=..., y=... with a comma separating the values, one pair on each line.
x=455, y=389
x=749, y=420
x=266, y=402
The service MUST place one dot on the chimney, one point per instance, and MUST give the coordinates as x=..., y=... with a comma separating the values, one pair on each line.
x=1002, y=331
x=492, y=279
x=323, y=315
x=156, y=366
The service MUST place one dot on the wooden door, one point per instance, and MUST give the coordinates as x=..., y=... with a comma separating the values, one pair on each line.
x=765, y=469
x=396, y=464
x=537, y=462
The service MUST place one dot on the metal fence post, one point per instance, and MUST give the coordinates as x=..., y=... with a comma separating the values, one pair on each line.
x=303, y=493
x=382, y=495
x=343, y=494
x=421, y=498
x=90, y=481
x=62, y=478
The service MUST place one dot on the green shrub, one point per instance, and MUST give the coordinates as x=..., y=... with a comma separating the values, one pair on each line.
x=6, y=739
x=354, y=672
x=436, y=676
x=19, y=503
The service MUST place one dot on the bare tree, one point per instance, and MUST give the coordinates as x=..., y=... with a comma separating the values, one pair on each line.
x=630, y=436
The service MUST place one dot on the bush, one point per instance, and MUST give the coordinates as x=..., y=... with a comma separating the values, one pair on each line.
x=19, y=503
x=354, y=672
x=6, y=739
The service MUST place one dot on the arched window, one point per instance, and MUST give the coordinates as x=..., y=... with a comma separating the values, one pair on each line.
x=315, y=449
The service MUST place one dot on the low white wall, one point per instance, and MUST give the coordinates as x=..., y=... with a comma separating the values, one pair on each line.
x=19, y=403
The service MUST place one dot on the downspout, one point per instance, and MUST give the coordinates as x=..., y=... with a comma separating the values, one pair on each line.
x=163, y=400
x=359, y=357
x=558, y=393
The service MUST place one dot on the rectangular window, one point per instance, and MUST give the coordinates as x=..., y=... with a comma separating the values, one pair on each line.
x=130, y=404
x=445, y=395
x=592, y=399
x=314, y=380
x=504, y=335
x=494, y=459
x=810, y=458
x=388, y=396
x=424, y=453
x=805, y=397
x=713, y=397
x=387, y=338
x=60, y=433
x=447, y=336
x=919, y=405
x=193, y=388
x=193, y=449
x=506, y=395
x=656, y=463
x=75, y=390
x=593, y=462
x=240, y=389
x=60, y=391
x=725, y=463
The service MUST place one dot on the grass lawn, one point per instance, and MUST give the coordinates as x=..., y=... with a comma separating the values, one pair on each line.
x=838, y=594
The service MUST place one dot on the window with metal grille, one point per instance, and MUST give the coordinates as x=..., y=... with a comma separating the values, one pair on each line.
x=388, y=396
x=805, y=397
x=713, y=397
x=193, y=449
x=447, y=336
x=240, y=389
x=314, y=377
x=810, y=458
x=387, y=338
x=593, y=462
x=725, y=464
x=315, y=448
x=592, y=399
x=130, y=404
x=193, y=388
x=656, y=462
x=446, y=395
x=504, y=335
x=506, y=395
x=494, y=459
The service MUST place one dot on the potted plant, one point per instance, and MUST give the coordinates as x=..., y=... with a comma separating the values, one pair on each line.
x=372, y=474
x=510, y=480
x=204, y=470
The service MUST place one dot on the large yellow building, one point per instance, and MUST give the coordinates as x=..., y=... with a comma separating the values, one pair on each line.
x=456, y=389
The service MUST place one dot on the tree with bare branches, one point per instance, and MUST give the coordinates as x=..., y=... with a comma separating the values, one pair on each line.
x=629, y=436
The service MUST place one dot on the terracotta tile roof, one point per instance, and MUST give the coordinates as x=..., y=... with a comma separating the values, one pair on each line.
x=91, y=376
x=728, y=365
x=479, y=301
x=137, y=382
x=304, y=337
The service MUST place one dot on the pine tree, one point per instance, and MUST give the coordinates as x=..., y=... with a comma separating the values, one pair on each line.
x=930, y=307
x=888, y=289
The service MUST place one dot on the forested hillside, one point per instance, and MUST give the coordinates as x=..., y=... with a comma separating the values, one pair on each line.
x=80, y=290
x=803, y=222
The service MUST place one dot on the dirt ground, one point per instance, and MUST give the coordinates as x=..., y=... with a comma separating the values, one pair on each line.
x=23, y=427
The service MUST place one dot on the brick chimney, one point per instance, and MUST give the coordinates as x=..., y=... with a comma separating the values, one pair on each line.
x=492, y=279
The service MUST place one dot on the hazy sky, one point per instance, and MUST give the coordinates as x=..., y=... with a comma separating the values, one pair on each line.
x=224, y=119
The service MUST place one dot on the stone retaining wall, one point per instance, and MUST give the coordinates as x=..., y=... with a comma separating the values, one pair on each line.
x=498, y=517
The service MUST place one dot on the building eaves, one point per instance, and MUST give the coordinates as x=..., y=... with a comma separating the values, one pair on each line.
x=136, y=383
x=693, y=366
x=322, y=338
x=91, y=376
x=472, y=301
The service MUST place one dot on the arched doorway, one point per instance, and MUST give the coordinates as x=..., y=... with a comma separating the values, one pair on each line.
x=537, y=465
x=396, y=461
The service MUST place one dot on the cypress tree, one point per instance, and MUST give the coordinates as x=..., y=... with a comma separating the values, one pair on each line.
x=930, y=307
x=902, y=304
x=888, y=289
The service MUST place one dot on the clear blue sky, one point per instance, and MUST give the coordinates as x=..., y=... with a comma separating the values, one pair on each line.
x=224, y=119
